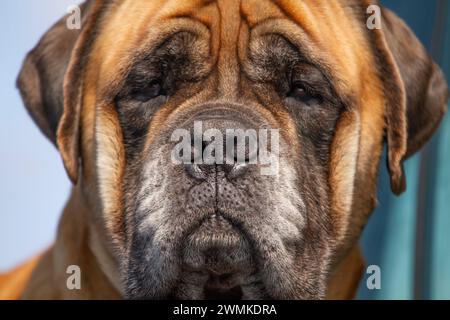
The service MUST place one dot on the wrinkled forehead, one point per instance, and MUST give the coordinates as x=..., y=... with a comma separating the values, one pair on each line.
x=326, y=32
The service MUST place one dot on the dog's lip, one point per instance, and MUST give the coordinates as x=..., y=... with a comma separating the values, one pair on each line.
x=219, y=229
x=217, y=246
x=226, y=280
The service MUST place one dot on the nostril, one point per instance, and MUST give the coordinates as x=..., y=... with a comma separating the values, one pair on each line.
x=237, y=170
x=195, y=171
x=200, y=172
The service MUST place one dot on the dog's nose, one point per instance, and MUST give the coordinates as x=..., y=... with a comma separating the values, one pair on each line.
x=223, y=145
x=203, y=171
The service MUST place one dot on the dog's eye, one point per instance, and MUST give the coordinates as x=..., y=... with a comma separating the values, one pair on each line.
x=150, y=92
x=303, y=94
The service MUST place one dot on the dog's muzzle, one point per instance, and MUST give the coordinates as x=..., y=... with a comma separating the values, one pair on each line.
x=217, y=259
x=214, y=229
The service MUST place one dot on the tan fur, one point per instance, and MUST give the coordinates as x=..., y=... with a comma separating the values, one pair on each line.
x=13, y=283
x=344, y=280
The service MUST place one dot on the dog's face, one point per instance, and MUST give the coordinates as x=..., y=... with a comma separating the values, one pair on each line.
x=141, y=70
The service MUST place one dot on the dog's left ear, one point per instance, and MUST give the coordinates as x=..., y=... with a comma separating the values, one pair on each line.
x=415, y=90
x=50, y=84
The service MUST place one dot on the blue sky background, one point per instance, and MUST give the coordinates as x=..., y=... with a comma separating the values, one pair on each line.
x=33, y=184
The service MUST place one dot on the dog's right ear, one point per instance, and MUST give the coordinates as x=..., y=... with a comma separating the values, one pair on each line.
x=49, y=86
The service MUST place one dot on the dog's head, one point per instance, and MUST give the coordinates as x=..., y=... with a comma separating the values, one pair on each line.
x=326, y=90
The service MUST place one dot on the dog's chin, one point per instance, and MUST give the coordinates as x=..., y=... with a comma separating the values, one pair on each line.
x=219, y=259
x=218, y=263
x=215, y=261
x=220, y=287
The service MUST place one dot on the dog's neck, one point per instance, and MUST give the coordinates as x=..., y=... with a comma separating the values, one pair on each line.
x=79, y=243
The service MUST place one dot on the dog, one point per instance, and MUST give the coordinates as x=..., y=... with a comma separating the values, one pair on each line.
x=139, y=226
